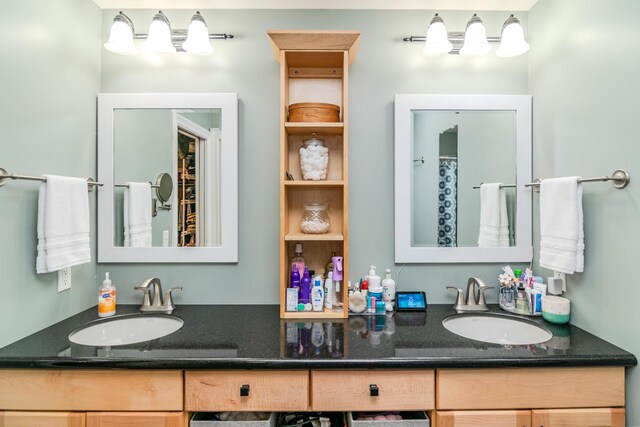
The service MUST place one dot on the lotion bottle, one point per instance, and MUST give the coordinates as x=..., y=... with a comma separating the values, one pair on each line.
x=106, y=298
x=317, y=295
x=329, y=291
x=388, y=290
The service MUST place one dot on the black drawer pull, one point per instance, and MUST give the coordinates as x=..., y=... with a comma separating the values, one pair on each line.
x=244, y=390
x=374, y=390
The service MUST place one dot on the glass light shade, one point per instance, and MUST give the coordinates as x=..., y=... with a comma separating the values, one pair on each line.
x=512, y=42
x=197, y=41
x=437, y=42
x=159, y=38
x=121, y=37
x=475, y=38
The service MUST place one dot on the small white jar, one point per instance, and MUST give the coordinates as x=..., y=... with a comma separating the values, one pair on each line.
x=314, y=159
x=315, y=219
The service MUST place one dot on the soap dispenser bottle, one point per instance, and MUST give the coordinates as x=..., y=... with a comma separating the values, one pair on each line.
x=388, y=290
x=106, y=298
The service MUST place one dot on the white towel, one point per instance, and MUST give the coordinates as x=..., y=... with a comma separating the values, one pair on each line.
x=494, y=219
x=63, y=224
x=561, y=225
x=137, y=215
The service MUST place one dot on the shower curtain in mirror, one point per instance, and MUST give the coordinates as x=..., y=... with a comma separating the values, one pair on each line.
x=448, y=203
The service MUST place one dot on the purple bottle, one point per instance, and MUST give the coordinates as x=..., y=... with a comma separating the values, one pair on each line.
x=337, y=268
x=295, y=278
x=305, y=287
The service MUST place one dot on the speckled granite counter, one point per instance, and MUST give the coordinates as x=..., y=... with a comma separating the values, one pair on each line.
x=254, y=337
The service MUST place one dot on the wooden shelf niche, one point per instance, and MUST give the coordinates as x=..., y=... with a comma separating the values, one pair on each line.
x=314, y=68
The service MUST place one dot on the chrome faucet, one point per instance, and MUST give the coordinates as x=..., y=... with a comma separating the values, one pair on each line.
x=475, y=300
x=156, y=305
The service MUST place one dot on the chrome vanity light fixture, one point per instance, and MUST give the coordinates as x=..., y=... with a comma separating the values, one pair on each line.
x=121, y=36
x=512, y=42
x=198, y=37
x=474, y=40
x=437, y=40
x=161, y=38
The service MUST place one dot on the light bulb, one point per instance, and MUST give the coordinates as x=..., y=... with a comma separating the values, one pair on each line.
x=159, y=38
x=437, y=40
x=512, y=42
x=475, y=38
x=121, y=36
x=197, y=41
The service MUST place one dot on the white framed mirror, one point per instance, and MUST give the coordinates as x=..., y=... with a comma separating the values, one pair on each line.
x=445, y=148
x=150, y=142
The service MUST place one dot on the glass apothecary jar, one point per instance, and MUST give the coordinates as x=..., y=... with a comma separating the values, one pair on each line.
x=314, y=159
x=315, y=219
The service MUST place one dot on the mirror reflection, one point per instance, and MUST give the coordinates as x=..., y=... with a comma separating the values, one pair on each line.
x=454, y=152
x=166, y=175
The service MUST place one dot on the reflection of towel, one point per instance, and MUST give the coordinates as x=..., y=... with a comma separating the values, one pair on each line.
x=63, y=224
x=561, y=225
x=137, y=214
x=494, y=221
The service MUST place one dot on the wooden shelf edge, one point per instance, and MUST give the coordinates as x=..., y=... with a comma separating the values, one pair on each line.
x=314, y=183
x=332, y=314
x=301, y=237
x=320, y=128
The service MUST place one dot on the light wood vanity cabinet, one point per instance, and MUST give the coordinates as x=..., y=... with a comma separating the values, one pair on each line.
x=42, y=419
x=483, y=419
x=246, y=390
x=570, y=397
x=372, y=390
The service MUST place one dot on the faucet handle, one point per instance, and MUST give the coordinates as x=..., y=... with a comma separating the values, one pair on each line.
x=459, y=298
x=481, y=290
x=168, y=300
x=146, y=300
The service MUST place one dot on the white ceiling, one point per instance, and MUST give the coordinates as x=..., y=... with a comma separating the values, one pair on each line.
x=473, y=5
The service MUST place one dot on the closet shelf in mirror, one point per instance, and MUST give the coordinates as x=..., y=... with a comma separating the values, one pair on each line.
x=319, y=128
x=314, y=183
x=327, y=237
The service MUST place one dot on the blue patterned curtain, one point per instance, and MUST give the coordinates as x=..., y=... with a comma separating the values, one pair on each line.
x=448, y=203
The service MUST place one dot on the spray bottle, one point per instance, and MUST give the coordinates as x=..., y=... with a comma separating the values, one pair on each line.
x=337, y=276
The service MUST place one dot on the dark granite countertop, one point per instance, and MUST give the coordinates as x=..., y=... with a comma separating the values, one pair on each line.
x=254, y=337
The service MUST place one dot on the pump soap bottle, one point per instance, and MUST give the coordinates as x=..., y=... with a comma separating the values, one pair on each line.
x=388, y=290
x=106, y=298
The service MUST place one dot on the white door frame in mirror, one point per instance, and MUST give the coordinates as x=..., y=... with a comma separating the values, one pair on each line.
x=227, y=252
x=404, y=251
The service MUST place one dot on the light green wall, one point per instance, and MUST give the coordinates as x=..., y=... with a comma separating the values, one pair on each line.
x=584, y=67
x=384, y=66
x=50, y=74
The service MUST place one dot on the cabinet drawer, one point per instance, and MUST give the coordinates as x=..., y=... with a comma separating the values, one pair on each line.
x=594, y=417
x=91, y=390
x=522, y=388
x=136, y=419
x=355, y=390
x=484, y=419
x=42, y=419
x=247, y=390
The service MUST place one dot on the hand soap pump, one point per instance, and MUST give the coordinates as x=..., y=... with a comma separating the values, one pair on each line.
x=388, y=290
x=106, y=298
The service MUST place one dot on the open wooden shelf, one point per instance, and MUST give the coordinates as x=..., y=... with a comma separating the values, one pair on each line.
x=302, y=128
x=302, y=237
x=314, y=68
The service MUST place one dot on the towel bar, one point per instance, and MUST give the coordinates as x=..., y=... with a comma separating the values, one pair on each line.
x=620, y=178
x=6, y=176
x=502, y=186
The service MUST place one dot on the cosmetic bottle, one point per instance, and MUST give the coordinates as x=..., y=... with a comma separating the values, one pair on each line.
x=317, y=295
x=106, y=298
x=298, y=259
x=388, y=290
x=329, y=291
x=305, y=287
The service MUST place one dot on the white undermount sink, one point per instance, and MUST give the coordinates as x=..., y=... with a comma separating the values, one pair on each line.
x=497, y=329
x=127, y=329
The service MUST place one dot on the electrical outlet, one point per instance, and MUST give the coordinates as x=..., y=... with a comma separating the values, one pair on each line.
x=64, y=279
x=563, y=277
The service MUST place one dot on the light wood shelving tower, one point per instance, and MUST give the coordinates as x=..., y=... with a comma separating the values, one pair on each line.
x=314, y=68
